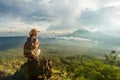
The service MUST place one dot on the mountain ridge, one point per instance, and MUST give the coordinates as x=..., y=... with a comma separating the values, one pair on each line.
x=99, y=36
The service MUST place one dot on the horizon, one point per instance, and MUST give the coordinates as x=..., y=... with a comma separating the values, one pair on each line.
x=49, y=34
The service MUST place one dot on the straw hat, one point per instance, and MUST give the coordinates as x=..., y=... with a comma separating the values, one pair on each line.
x=34, y=31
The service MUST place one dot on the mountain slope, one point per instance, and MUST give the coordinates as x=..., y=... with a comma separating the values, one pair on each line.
x=93, y=36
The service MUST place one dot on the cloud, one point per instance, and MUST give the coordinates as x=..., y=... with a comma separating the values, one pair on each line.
x=60, y=16
x=32, y=12
x=77, y=39
x=106, y=19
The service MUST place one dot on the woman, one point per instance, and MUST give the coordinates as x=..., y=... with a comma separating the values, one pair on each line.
x=31, y=47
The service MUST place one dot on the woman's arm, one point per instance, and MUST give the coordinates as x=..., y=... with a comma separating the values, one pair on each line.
x=36, y=43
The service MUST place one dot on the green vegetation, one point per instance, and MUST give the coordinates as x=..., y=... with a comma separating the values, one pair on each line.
x=96, y=70
x=72, y=67
x=83, y=67
x=10, y=66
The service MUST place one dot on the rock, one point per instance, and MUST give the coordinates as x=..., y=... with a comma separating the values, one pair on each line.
x=35, y=69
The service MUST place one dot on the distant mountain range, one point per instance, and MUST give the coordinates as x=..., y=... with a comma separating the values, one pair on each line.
x=98, y=36
x=11, y=42
x=79, y=37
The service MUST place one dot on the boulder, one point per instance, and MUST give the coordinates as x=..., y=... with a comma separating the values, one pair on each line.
x=35, y=69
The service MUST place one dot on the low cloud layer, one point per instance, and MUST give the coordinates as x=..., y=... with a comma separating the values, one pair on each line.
x=78, y=39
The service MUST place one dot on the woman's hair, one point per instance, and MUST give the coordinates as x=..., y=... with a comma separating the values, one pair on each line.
x=31, y=34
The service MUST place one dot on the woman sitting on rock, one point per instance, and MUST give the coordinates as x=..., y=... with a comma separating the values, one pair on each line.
x=31, y=46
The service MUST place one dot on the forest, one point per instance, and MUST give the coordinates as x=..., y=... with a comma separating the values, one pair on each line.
x=69, y=67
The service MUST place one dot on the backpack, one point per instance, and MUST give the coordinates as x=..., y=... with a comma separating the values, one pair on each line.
x=28, y=47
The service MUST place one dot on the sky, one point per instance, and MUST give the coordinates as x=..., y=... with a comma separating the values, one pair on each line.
x=18, y=17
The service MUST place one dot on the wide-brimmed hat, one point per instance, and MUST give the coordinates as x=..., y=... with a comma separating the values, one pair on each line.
x=34, y=31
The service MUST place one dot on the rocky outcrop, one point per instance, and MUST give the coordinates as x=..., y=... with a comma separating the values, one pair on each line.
x=35, y=69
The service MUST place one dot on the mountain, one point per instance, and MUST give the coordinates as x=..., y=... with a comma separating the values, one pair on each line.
x=79, y=42
x=11, y=42
x=98, y=36
x=18, y=41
